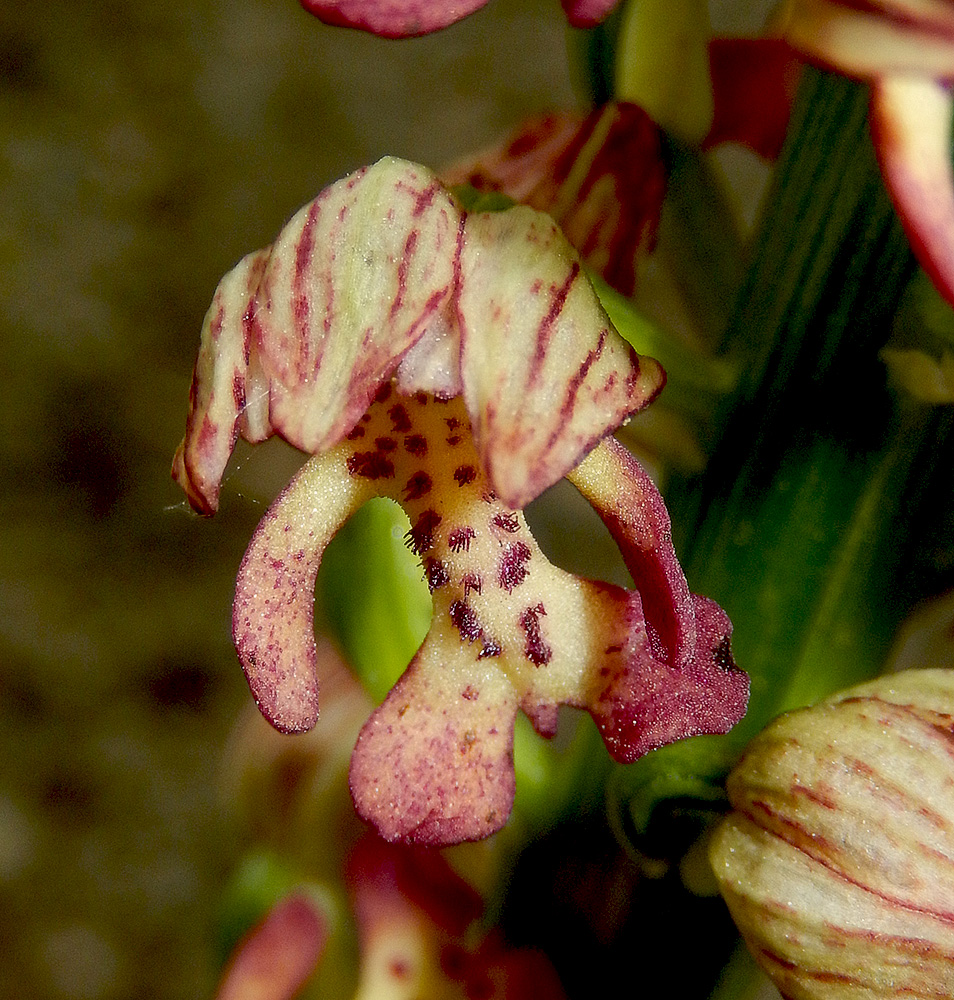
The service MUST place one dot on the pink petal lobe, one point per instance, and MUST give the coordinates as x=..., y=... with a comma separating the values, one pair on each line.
x=279, y=955
x=546, y=375
x=392, y=18
x=630, y=506
x=645, y=704
x=587, y=13
x=272, y=616
x=911, y=126
x=434, y=763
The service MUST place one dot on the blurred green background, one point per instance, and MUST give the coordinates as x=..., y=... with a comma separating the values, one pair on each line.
x=144, y=148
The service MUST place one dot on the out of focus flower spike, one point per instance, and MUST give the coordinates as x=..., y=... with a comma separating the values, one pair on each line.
x=279, y=955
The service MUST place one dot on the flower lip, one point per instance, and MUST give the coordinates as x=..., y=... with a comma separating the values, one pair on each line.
x=509, y=631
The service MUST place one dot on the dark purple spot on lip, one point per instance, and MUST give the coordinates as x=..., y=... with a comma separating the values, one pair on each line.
x=370, y=465
x=452, y=423
x=465, y=621
x=417, y=486
x=420, y=537
x=399, y=969
x=416, y=445
x=355, y=433
x=436, y=574
x=400, y=421
x=722, y=656
x=464, y=474
x=536, y=651
x=490, y=647
x=385, y=444
x=507, y=522
x=381, y=396
x=513, y=568
x=421, y=397
x=470, y=693
x=460, y=538
x=454, y=440
x=470, y=582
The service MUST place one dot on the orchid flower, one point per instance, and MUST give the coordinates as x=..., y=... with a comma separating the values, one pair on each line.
x=905, y=50
x=407, y=18
x=458, y=363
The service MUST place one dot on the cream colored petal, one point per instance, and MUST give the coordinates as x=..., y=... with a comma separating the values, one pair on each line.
x=352, y=282
x=545, y=373
x=218, y=396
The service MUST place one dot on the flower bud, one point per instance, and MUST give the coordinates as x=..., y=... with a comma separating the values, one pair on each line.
x=837, y=863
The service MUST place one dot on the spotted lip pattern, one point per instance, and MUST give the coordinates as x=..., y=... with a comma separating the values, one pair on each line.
x=433, y=764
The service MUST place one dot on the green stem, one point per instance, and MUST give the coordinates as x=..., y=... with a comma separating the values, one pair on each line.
x=806, y=524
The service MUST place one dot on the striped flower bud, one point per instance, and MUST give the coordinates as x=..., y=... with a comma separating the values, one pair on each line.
x=837, y=863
